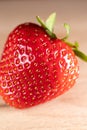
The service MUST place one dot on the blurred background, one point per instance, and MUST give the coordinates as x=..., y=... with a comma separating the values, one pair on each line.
x=69, y=111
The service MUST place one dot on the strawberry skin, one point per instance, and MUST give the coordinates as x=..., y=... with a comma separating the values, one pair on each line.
x=35, y=68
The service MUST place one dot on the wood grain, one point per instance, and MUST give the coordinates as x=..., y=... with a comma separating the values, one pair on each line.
x=69, y=111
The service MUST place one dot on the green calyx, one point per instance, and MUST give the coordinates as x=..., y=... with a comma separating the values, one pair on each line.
x=48, y=26
x=75, y=45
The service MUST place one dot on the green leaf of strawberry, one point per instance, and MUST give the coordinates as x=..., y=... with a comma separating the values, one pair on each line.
x=48, y=25
x=50, y=21
x=67, y=27
x=74, y=46
x=36, y=66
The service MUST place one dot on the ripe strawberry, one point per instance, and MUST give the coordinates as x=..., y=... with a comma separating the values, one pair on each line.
x=36, y=66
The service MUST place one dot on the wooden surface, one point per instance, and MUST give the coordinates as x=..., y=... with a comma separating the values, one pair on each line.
x=69, y=111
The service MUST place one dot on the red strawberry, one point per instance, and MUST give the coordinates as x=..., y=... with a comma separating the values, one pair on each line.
x=36, y=66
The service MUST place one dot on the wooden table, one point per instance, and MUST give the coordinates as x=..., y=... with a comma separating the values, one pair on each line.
x=69, y=111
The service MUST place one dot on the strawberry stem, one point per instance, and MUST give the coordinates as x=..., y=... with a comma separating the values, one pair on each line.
x=80, y=54
x=75, y=48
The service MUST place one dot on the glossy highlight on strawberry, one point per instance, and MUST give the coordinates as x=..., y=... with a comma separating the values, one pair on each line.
x=35, y=67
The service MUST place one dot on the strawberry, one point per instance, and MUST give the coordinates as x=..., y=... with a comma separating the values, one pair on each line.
x=36, y=66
